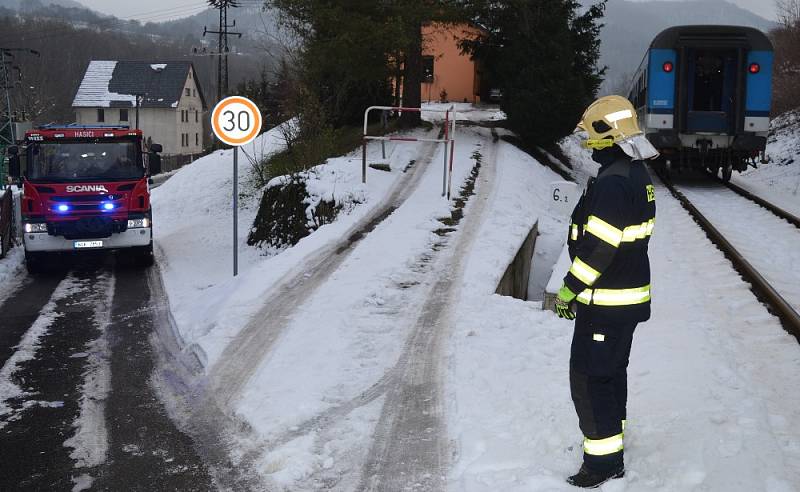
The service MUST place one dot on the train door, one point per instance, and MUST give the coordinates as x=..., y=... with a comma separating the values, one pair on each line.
x=711, y=79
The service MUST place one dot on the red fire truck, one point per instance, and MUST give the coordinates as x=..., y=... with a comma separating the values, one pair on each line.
x=85, y=188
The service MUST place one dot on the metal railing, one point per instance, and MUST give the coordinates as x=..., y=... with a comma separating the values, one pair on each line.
x=448, y=140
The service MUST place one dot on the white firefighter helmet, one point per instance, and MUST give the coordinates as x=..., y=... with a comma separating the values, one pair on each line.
x=612, y=120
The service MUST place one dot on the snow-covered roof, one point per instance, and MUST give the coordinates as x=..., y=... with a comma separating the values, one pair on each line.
x=94, y=87
x=115, y=83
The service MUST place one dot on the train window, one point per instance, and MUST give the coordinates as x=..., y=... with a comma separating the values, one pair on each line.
x=709, y=81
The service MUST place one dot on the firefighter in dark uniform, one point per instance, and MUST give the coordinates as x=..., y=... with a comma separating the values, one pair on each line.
x=607, y=287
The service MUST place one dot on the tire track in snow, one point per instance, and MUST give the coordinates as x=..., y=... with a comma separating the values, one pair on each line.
x=244, y=354
x=409, y=449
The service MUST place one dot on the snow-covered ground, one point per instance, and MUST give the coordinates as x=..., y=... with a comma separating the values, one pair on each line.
x=769, y=243
x=464, y=111
x=779, y=180
x=706, y=412
x=406, y=320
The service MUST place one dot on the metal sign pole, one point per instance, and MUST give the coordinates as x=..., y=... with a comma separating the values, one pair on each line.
x=236, y=121
x=235, y=211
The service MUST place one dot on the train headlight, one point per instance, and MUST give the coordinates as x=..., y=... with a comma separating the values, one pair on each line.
x=754, y=68
x=668, y=66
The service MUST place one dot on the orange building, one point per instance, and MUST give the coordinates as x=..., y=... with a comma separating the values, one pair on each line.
x=449, y=74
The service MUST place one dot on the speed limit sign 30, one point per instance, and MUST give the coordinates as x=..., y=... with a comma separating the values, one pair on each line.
x=236, y=120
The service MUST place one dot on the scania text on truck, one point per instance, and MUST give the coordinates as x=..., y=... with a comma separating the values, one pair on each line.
x=85, y=188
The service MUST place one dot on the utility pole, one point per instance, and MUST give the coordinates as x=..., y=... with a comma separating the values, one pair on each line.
x=7, y=136
x=222, y=45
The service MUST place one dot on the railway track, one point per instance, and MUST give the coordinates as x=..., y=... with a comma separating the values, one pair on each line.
x=762, y=285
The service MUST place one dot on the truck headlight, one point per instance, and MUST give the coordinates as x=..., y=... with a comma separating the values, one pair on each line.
x=35, y=227
x=138, y=223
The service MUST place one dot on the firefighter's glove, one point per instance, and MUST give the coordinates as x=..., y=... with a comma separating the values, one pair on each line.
x=563, y=303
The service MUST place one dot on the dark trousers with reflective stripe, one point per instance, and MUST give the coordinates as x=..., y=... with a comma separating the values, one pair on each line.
x=598, y=377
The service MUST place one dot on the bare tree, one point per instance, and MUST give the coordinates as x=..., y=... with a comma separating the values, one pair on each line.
x=788, y=12
x=786, y=40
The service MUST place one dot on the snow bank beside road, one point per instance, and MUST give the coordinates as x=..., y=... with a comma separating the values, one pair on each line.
x=192, y=229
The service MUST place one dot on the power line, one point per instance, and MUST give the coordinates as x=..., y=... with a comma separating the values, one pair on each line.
x=175, y=7
x=114, y=22
x=222, y=47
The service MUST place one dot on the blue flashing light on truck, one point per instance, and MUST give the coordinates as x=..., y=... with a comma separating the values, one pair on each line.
x=85, y=188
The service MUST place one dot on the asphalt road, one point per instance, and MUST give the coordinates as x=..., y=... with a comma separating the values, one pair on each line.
x=78, y=409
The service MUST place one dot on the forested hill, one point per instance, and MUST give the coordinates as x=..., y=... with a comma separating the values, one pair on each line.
x=630, y=26
x=68, y=36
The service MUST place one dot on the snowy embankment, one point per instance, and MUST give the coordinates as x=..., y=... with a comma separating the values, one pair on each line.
x=712, y=402
x=778, y=181
x=193, y=236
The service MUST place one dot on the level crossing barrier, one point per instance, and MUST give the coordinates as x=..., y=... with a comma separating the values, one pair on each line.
x=448, y=140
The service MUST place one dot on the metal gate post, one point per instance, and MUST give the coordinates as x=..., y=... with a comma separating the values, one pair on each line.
x=446, y=135
x=452, y=152
x=364, y=161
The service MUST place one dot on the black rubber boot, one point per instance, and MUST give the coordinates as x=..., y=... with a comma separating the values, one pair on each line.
x=588, y=479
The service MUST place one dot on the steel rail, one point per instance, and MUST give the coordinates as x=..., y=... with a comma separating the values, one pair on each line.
x=783, y=214
x=758, y=284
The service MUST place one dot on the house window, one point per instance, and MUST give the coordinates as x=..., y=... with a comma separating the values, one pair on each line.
x=194, y=93
x=123, y=115
x=427, y=69
x=190, y=74
x=188, y=92
x=101, y=115
x=197, y=139
x=196, y=117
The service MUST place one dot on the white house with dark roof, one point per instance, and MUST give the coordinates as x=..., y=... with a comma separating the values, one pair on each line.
x=171, y=103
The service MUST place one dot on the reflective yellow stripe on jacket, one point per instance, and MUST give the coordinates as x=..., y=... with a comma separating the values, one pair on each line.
x=614, y=236
x=615, y=297
x=583, y=271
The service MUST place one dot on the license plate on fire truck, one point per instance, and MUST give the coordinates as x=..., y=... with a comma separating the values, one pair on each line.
x=88, y=244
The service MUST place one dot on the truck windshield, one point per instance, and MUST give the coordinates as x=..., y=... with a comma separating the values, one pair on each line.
x=83, y=161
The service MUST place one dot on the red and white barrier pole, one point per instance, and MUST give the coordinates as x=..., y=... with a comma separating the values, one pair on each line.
x=448, y=139
x=446, y=135
x=452, y=151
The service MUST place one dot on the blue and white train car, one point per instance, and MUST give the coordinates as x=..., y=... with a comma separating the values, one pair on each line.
x=703, y=95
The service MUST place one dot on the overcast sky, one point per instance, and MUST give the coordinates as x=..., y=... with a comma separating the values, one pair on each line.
x=158, y=10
